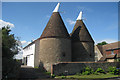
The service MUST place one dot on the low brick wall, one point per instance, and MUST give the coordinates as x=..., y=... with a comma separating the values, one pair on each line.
x=75, y=67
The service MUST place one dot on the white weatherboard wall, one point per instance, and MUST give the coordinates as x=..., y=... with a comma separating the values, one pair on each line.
x=29, y=52
x=98, y=54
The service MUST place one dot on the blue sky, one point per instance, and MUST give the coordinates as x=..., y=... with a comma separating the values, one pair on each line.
x=30, y=18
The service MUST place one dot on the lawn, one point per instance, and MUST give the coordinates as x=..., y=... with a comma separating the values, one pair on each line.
x=92, y=76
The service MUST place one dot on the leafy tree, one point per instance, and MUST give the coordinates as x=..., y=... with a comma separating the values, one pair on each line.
x=102, y=43
x=10, y=47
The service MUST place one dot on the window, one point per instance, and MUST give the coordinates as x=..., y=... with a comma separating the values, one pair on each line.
x=112, y=52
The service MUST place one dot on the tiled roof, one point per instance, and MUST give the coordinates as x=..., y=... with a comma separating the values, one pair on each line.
x=108, y=57
x=108, y=47
x=111, y=56
x=111, y=46
x=80, y=32
x=55, y=27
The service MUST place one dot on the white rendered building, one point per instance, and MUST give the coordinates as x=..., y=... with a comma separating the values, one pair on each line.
x=31, y=54
x=28, y=55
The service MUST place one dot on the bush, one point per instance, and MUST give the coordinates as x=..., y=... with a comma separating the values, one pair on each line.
x=63, y=77
x=99, y=70
x=87, y=71
x=114, y=70
x=53, y=75
x=96, y=73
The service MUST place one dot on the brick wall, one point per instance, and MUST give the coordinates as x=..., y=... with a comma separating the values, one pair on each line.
x=75, y=67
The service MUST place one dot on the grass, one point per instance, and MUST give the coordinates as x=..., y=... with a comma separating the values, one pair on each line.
x=92, y=76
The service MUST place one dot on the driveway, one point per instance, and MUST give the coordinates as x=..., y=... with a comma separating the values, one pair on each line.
x=27, y=72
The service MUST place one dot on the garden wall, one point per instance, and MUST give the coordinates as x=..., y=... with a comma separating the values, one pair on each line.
x=75, y=67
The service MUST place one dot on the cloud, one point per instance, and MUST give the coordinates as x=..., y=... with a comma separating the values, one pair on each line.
x=71, y=22
x=24, y=43
x=106, y=40
x=4, y=23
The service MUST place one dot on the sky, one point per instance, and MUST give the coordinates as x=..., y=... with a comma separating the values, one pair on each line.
x=28, y=19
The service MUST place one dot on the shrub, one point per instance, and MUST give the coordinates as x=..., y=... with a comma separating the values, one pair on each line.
x=96, y=73
x=114, y=70
x=63, y=77
x=53, y=75
x=87, y=71
x=99, y=70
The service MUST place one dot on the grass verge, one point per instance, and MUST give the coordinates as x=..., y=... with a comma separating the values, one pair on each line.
x=92, y=76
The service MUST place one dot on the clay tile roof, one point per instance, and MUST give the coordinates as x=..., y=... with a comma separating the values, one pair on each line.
x=80, y=32
x=111, y=56
x=108, y=57
x=55, y=27
x=111, y=46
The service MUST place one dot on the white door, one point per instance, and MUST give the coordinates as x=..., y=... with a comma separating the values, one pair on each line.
x=30, y=61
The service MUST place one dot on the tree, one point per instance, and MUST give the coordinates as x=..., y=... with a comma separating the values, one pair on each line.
x=102, y=43
x=9, y=49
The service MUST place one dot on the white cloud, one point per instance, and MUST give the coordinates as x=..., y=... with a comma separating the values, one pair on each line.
x=4, y=23
x=24, y=43
x=70, y=21
x=106, y=40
